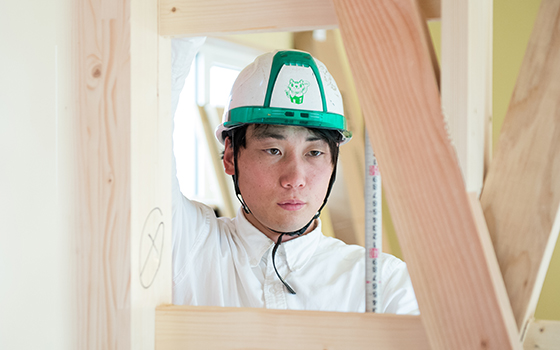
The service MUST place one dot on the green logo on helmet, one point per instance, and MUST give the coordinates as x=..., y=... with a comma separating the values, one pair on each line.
x=296, y=90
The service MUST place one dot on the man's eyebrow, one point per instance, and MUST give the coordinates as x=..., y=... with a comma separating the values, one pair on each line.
x=266, y=133
x=313, y=138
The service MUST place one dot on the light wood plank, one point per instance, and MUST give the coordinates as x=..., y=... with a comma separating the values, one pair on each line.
x=150, y=235
x=399, y=95
x=103, y=130
x=466, y=93
x=124, y=264
x=219, y=17
x=521, y=195
x=192, y=327
x=490, y=256
x=542, y=335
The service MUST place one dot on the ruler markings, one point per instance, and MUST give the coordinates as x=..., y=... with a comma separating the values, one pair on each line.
x=373, y=229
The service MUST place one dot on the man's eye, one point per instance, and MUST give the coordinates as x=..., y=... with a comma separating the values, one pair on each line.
x=273, y=151
x=315, y=153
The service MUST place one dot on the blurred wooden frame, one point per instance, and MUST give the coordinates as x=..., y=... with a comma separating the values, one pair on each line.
x=124, y=124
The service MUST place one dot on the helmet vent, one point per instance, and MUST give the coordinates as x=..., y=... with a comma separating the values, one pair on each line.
x=304, y=115
x=289, y=114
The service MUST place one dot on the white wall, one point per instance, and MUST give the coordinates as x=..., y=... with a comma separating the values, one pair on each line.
x=37, y=284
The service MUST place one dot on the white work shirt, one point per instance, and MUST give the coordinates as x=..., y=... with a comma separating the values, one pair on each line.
x=228, y=262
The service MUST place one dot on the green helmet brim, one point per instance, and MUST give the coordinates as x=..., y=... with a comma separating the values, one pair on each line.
x=284, y=116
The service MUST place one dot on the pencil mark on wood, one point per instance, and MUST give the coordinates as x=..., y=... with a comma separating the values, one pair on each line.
x=151, y=247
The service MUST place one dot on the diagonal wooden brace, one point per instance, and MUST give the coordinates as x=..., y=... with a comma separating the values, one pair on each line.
x=460, y=304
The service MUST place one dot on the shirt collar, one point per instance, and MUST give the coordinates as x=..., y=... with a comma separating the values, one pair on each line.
x=298, y=250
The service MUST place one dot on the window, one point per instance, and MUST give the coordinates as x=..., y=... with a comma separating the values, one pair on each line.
x=208, y=86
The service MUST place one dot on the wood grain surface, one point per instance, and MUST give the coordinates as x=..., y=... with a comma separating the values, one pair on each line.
x=196, y=327
x=542, y=335
x=150, y=234
x=521, y=195
x=390, y=61
x=123, y=189
x=220, y=17
x=103, y=182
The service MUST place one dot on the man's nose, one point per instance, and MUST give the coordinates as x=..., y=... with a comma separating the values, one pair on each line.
x=292, y=173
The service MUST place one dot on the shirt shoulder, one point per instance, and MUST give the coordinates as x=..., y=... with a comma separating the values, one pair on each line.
x=337, y=255
x=196, y=230
x=397, y=293
x=330, y=245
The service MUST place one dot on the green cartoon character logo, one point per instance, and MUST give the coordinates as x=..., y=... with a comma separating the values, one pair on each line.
x=296, y=90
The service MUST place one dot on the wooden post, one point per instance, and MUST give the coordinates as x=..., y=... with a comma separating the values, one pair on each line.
x=521, y=196
x=103, y=188
x=123, y=145
x=461, y=306
x=151, y=172
x=466, y=53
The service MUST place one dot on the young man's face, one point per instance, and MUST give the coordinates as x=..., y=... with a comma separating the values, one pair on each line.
x=284, y=172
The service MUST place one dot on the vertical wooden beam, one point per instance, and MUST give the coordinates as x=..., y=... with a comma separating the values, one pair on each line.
x=389, y=57
x=123, y=197
x=521, y=196
x=103, y=187
x=466, y=92
x=150, y=279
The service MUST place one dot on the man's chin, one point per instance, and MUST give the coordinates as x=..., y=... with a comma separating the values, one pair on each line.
x=283, y=226
x=293, y=227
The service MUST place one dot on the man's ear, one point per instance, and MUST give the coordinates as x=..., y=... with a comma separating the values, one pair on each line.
x=229, y=165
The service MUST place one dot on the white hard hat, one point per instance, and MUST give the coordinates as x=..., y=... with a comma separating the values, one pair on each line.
x=286, y=88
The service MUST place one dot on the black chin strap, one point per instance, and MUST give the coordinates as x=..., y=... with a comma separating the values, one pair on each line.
x=292, y=233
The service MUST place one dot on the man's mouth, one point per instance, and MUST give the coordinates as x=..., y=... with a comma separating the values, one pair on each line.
x=292, y=204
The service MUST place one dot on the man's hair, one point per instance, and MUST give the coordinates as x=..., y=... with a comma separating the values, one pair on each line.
x=331, y=137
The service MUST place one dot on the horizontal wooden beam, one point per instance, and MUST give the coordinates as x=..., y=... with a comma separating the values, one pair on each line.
x=389, y=55
x=221, y=17
x=521, y=195
x=195, y=327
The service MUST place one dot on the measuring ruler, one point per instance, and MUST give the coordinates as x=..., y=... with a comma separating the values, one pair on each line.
x=373, y=229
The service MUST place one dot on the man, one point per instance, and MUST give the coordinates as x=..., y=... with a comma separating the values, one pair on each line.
x=281, y=132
